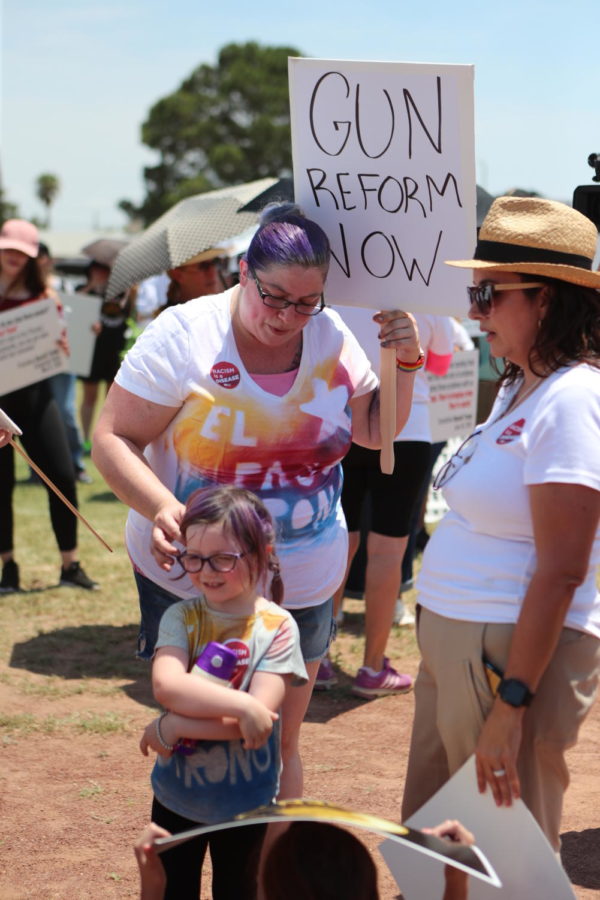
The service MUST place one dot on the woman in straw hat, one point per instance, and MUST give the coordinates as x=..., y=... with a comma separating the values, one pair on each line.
x=509, y=621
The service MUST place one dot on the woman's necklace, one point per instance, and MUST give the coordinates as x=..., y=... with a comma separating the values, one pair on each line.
x=516, y=400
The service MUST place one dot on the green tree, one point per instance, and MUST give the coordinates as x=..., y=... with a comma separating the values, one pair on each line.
x=225, y=124
x=47, y=187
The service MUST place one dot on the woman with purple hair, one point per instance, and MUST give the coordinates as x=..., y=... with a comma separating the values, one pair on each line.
x=264, y=388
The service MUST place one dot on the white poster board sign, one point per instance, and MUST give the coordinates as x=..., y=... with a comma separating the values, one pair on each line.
x=453, y=397
x=81, y=312
x=509, y=836
x=28, y=344
x=384, y=162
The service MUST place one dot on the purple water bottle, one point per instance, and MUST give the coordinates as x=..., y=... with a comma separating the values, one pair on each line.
x=217, y=663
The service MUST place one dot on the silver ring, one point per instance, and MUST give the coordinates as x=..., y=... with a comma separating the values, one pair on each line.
x=498, y=772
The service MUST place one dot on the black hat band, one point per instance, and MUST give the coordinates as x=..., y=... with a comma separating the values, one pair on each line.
x=496, y=251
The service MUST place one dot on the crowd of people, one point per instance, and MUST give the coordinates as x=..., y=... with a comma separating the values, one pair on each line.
x=242, y=431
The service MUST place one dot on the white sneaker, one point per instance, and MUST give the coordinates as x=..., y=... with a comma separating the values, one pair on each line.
x=402, y=615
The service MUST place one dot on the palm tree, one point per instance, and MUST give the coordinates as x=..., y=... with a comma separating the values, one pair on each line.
x=47, y=187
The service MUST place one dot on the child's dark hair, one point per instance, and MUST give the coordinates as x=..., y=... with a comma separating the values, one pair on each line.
x=247, y=520
x=319, y=861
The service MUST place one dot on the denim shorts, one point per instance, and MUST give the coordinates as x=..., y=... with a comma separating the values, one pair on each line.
x=315, y=623
x=154, y=600
x=317, y=629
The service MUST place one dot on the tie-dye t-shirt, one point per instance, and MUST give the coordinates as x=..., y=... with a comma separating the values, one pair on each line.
x=220, y=779
x=231, y=431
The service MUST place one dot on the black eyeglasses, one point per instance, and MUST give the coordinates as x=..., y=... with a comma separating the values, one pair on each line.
x=482, y=295
x=303, y=309
x=456, y=461
x=219, y=562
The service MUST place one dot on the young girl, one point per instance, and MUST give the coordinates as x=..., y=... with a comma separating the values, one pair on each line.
x=235, y=766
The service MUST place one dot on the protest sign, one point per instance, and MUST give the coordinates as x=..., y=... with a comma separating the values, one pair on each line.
x=453, y=397
x=384, y=162
x=513, y=843
x=81, y=312
x=28, y=344
x=468, y=859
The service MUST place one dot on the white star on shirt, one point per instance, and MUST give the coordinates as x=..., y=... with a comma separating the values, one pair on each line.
x=334, y=399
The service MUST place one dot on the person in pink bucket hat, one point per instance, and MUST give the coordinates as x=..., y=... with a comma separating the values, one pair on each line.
x=35, y=411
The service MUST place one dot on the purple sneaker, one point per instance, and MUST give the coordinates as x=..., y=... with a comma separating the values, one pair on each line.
x=326, y=677
x=388, y=681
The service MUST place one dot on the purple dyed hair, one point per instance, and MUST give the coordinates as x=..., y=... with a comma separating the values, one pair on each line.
x=286, y=237
x=246, y=519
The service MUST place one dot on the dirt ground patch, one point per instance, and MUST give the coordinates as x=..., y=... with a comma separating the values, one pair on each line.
x=75, y=790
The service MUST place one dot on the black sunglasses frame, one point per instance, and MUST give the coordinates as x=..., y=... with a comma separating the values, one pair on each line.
x=303, y=309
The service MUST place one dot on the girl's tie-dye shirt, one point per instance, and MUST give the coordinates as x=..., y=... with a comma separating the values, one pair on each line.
x=230, y=431
x=220, y=779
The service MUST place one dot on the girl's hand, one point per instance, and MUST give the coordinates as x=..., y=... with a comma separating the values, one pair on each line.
x=398, y=329
x=165, y=531
x=152, y=874
x=256, y=723
x=452, y=830
x=149, y=739
x=5, y=437
x=496, y=752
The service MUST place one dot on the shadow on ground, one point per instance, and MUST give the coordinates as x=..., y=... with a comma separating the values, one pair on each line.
x=580, y=855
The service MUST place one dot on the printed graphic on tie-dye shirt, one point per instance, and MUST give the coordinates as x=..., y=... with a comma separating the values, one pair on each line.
x=239, y=634
x=287, y=450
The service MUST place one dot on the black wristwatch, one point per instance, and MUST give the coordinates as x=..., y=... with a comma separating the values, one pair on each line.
x=514, y=692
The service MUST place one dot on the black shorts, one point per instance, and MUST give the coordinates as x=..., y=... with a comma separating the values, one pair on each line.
x=392, y=496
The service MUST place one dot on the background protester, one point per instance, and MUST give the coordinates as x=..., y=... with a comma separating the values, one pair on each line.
x=392, y=501
x=110, y=333
x=63, y=384
x=34, y=409
x=264, y=388
x=508, y=588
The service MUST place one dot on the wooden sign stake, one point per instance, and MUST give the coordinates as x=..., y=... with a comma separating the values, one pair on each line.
x=58, y=493
x=387, y=408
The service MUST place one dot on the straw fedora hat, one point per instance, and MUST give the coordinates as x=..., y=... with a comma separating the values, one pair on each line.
x=536, y=237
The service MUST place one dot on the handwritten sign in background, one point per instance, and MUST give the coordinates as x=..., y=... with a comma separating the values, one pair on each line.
x=384, y=162
x=28, y=345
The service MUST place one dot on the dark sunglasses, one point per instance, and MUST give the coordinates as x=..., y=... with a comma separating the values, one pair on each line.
x=482, y=295
x=218, y=562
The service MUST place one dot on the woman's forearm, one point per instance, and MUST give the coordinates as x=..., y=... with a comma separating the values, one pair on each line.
x=126, y=471
x=538, y=628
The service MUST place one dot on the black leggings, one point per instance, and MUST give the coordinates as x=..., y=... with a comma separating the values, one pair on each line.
x=234, y=852
x=44, y=438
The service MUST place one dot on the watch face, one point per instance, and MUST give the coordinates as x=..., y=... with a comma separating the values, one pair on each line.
x=514, y=692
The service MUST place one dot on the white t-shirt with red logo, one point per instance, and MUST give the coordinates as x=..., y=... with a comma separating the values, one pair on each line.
x=480, y=559
x=229, y=430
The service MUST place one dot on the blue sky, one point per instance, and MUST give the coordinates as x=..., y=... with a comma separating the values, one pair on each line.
x=78, y=79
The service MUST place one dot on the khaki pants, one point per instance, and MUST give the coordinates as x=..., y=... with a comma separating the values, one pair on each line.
x=453, y=699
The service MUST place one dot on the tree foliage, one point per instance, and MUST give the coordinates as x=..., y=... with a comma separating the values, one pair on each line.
x=225, y=124
x=47, y=187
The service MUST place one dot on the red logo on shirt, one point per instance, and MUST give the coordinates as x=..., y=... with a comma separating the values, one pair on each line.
x=511, y=433
x=225, y=374
x=242, y=651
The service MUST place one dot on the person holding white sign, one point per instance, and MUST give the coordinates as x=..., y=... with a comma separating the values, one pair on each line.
x=265, y=388
x=34, y=409
x=509, y=620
